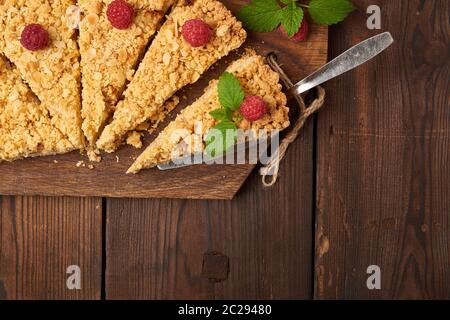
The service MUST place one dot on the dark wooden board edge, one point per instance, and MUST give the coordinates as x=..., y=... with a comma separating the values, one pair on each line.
x=220, y=183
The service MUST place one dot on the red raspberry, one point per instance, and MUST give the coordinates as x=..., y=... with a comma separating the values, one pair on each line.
x=301, y=34
x=253, y=108
x=196, y=32
x=120, y=14
x=34, y=37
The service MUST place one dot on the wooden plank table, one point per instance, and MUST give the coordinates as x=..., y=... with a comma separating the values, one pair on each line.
x=383, y=151
x=367, y=183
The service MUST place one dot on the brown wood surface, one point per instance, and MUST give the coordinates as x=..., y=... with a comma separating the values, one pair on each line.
x=42, y=176
x=40, y=238
x=382, y=198
x=261, y=242
x=383, y=176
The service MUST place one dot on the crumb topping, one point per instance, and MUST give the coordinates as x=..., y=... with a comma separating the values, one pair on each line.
x=109, y=56
x=26, y=129
x=170, y=64
x=134, y=139
x=53, y=74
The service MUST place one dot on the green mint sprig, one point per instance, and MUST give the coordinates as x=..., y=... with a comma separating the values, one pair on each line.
x=223, y=136
x=267, y=15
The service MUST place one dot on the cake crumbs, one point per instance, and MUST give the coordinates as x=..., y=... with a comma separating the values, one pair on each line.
x=134, y=139
x=80, y=164
x=94, y=155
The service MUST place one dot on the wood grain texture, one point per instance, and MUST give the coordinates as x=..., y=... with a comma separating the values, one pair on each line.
x=383, y=160
x=40, y=237
x=178, y=249
x=44, y=177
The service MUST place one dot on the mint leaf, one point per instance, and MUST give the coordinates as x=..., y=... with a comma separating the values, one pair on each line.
x=220, y=138
x=292, y=17
x=261, y=15
x=230, y=91
x=330, y=11
x=221, y=114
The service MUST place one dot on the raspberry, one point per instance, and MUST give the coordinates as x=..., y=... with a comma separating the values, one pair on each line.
x=34, y=37
x=253, y=108
x=301, y=34
x=196, y=32
x=120, y=14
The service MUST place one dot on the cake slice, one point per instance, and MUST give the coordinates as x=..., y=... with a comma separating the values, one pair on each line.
x=256, y=79
x=25, y=126
x=52, y=72
x=172, y=63
x=110, y=55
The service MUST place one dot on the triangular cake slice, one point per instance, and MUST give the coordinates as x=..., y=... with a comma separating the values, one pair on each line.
x=25, y=126
x=52, y=73
x=172, y=63
x=109, y=56
x=256, y=79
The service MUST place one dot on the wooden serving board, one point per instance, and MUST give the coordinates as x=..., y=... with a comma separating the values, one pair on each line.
x=59, y=175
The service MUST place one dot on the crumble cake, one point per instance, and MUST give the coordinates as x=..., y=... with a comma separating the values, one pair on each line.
x=172, y=63
x=53, y=73
x=109, y=56
x=26, y=129
x=256, y=79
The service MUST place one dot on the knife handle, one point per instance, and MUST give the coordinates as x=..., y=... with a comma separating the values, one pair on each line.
x=350, y=59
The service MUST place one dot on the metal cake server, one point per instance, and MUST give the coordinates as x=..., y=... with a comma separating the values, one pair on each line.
x=349, y=60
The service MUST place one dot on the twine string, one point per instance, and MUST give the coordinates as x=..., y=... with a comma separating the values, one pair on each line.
x=271, y=170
